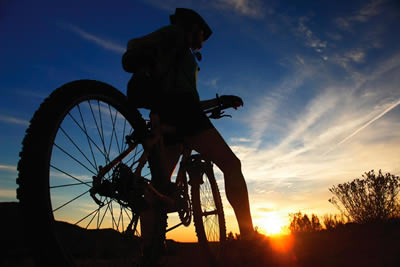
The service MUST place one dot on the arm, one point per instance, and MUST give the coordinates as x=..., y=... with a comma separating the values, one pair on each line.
x=224, y=101
x=207, y=104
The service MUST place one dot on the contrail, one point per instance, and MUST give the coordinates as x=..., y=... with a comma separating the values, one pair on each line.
x=364, y=126
x=97, y=40
x=371, y=121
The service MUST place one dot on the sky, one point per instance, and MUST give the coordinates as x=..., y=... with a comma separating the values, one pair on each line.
x=319, y=80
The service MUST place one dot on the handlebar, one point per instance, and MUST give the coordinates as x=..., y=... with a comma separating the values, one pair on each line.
x=217, y=112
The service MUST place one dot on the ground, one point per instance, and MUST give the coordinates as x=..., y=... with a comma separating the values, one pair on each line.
x=351, y=245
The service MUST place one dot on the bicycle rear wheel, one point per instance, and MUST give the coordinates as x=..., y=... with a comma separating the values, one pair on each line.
x=208, y=213
x=78, y=129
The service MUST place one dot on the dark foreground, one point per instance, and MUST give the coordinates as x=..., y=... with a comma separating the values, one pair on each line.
x=351, y=245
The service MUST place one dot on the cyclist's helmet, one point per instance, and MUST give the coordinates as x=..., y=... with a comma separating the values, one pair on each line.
x=187, y=17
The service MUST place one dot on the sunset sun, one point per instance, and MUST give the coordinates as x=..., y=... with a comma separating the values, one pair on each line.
x=270, y=224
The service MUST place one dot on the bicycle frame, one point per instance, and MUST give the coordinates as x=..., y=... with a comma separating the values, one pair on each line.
x=154, y=136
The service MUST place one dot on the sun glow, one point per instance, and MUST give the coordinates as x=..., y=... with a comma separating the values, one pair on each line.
x=270, y=224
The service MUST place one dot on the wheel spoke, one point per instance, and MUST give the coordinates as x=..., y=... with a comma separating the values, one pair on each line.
x=101, y=122
x=87, y=136
x=121, y=216
x=72, y=157
x=207, y=208
x=211, y=228
x=90, y=135
x=78, y=130
x=113, y=133
x=69, y=175
x=67, y=185
x=133, y=158
x=123, y=137
x=95, y=211
x=136, y=221
x=98, y=131
x=112, y=216
x=94, y=216
x=68, y=202
x=77, y=147
x=102, y=218
x=127, y=214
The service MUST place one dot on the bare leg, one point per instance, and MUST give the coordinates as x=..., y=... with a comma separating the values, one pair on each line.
x=148, y=217
x=172, y=155
x=212, y=146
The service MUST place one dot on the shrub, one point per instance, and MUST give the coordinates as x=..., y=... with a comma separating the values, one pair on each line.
x=332, y=222
x=371, y=199
x=301, y=223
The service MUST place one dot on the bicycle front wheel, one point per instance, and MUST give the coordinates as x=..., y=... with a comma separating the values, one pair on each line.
x=78, y=129
x=208, y=213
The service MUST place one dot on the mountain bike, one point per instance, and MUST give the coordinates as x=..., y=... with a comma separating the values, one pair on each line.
x=83, y=164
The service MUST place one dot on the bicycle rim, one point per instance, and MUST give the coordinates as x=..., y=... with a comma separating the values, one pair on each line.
x=208, y=216
x=79, y=128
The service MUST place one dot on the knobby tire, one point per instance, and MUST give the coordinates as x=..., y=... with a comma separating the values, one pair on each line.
x=35, y=158
x=210, y=229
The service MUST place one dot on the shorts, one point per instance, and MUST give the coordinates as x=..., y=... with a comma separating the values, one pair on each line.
x=183, y=112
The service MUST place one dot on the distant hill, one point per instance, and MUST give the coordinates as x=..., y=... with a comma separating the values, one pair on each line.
x=373, y=245
x=13, y=244
x=11, y=226
x=106, y=245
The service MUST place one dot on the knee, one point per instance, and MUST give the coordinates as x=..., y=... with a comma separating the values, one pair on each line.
x=232, y=165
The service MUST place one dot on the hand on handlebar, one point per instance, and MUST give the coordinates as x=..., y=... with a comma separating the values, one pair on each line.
x=216, y=109
x=230, y=101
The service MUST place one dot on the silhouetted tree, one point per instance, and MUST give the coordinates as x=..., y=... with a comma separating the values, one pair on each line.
x=373, y=198
x=315, y=223
x=334, y=221
x=301, y=223
x=230, y=236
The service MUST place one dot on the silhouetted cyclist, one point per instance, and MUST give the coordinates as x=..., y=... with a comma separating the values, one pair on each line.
x=165, y=62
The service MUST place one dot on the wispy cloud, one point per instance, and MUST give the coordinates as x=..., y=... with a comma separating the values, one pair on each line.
x=13, y=120
x=316, y=110
x=357, y=56
x=311, y=40
x=264, y=112
x=352, y=114
x=7, y=194
x=249, y=8
x=105, y=44
x=211, y=82
x=9, y=168
x=240, y=140
x=368, y=11
x=346, y=59
x=364, y=14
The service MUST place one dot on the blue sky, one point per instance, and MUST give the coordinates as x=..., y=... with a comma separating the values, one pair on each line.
x=320, y=81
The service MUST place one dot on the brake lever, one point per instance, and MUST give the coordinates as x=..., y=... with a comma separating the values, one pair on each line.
x=218, y=114
x=229, y=116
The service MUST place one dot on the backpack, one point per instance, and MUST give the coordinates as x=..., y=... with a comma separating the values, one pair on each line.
x=143, y=91
x=151, y=59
